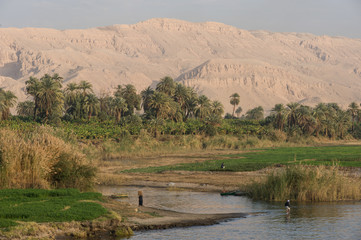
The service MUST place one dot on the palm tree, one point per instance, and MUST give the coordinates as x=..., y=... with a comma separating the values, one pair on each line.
x=32, y=88
x=175, y=113
x=105, y=105
x=161, y=104
x=25, y=109
x=190, y=103
x=71, y=92
x=279, y=111
x=330, y=118
x=166, y=85
x=234, y=101
x=118, y=91
x=203, y=108
x=353, y=108
x=91, y=105
x=119, y=106
x=72, y=100
x=238, y=111
x=8, y=101
x=342, y=123
x=256, y=113
x=56, y=77
x=217, y=108
x=291, y=114
x=146, y=95
x=85, y=87
x=181, y=94
x=133, y=100
x=305, y=119
x=50, y=96
x=319, y=114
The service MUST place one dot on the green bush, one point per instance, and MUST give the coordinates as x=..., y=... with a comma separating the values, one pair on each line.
x=68, y=173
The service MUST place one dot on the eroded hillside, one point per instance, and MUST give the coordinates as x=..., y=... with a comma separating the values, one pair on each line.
x=265, y=68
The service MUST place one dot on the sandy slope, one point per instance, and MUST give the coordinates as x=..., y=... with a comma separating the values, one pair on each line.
x=265, y=68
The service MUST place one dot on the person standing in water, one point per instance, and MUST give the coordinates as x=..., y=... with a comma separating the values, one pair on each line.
x=140, y=196
x=288, y=206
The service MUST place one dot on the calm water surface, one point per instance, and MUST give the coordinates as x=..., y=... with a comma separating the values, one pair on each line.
x=306, y=221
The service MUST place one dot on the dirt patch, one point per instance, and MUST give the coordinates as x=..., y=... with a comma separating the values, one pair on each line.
x=109, y=173
x=116, y=165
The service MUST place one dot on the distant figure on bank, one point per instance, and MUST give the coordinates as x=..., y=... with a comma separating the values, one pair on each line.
x=288, y=206
x=222, y=166
x=140, y=196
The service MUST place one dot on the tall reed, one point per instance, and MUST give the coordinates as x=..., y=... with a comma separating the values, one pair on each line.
x=306, y=183
x=30, y=159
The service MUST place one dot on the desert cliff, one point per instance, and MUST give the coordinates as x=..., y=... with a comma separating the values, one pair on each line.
x=265, y=68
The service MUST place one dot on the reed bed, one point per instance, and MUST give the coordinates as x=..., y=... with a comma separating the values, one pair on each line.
x=39, y=159
x=306, y=183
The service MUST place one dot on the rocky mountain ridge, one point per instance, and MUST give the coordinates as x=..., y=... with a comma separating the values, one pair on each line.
x=265, y=68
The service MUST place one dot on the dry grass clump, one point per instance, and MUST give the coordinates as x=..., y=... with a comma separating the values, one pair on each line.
x=306, y=183
x=110, y=179
x=38, y=159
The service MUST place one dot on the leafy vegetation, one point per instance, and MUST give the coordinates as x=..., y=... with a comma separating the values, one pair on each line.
x=40, y=147
x=171, y=103
x=39, y=205
x=348, y=156
x=7, y=101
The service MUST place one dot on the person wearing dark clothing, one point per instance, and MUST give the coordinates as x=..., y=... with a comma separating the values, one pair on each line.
x=222, y=166
x=140, y=196
x=288, y=206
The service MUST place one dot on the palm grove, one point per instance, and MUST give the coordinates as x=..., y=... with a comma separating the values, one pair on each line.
x=172, y=103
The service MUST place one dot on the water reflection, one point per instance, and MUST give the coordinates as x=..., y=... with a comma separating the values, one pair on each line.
x=306, y=221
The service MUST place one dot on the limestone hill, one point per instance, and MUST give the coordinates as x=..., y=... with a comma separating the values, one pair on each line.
x=265, y=68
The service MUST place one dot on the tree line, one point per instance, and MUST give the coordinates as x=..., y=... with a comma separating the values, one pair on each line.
x=171, y=101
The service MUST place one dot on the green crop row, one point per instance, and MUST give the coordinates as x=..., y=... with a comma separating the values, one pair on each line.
x=111, y=130
x=40, y=205
x=345, y=156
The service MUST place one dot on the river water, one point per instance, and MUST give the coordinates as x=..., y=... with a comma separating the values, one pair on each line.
x=306, y=220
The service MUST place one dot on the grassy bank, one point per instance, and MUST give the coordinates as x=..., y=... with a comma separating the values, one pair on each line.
x=37, y=205
x=305, y=183
x=347, y=156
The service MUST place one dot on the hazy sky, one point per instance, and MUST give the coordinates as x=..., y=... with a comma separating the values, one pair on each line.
x=321, y=17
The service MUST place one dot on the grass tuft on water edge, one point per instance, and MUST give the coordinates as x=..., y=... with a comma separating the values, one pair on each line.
x=306, y=183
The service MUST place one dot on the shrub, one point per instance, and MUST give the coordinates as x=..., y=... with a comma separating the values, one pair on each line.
x=69, y=173
x=277, y=135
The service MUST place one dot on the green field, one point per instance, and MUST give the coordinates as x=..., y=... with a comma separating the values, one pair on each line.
x=345, y=156
x=39, y=205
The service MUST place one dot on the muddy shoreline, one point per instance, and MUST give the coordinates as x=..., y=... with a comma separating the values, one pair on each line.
x=170, y=219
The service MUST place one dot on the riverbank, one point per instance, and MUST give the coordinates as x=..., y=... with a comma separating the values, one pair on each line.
x=178, y=169
x=149, y=218
x=121, y=220
x=165, y=219
x=111, y=172
x=125, y=216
